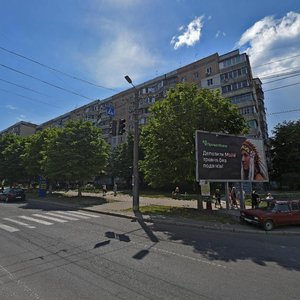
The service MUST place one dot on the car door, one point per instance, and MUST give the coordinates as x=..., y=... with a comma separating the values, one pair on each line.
x=283, y=214
x=295, y=206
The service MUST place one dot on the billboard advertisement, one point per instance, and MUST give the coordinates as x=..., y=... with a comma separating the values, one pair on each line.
x=224, y=157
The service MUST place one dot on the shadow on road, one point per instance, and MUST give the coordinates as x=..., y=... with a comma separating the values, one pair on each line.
x=261, y=249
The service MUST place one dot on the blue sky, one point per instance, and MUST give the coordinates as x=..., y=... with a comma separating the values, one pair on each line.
x=102, y=40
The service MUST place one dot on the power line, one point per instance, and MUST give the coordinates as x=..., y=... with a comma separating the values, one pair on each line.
x=56, y=70
x=30, y=99
x=272, y=62
x=23, y=87
x=281, y=87
x=281, y=73
x=281, y=78
x=48, y=83
x=284, y=111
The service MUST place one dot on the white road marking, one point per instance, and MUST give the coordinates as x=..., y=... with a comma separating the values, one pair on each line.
x=71, y=214
x=61, y=216
x=35, y=220
x=8, y=228
x=85, y=214
x=19, y=222
x=50, y=218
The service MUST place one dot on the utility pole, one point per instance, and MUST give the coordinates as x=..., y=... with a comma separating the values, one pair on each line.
x=135, y=174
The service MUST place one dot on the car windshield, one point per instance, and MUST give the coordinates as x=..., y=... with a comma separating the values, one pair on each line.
x=6, y=190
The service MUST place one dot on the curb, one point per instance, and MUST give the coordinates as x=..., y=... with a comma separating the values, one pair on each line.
x=177, y=223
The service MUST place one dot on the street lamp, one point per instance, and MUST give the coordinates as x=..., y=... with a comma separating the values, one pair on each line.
x=135, y=174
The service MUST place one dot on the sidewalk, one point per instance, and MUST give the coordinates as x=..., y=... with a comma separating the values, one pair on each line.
x=121, y=204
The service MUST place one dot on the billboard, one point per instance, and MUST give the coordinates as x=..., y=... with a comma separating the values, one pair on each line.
x=224, y=157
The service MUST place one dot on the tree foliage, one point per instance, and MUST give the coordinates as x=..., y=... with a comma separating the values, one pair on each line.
x=121, y=160
x=76, y=153
x=168, y=139
x=11, y=165
x=36, y=150
x=285, y=154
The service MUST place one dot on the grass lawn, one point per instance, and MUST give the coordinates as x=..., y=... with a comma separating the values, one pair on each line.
x=190, y=213
x=62, y=198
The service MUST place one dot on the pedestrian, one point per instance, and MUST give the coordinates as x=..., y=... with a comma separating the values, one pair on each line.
x=218, y=198
x=115, y=189
x=254, y=199
x=269, y=199
x=176, y=193
x=104, y=189
x=233, y=198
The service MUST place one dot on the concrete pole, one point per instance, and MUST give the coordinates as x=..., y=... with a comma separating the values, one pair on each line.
x=135, y=182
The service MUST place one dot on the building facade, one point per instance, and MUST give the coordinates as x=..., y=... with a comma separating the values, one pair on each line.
x=21, y=128
x=230, y=73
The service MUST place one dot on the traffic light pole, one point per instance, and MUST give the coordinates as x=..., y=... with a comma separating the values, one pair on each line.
x=135, y=175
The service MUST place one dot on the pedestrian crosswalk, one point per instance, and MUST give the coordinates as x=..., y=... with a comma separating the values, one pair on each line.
x=16, y=223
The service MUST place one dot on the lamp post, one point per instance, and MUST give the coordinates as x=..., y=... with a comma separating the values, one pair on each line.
x=135, y=175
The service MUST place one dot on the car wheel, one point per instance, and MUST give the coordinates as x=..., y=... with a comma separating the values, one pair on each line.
x=268, y=225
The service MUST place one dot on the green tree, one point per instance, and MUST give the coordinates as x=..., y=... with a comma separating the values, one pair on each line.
x=168, y=139
x=285, y=154
x=11, y=165
x=121, y=160
x=35, y=151
x=77, y=153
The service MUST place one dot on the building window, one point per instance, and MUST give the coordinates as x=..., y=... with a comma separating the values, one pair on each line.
x=233, y=61
x=242, y=98
x=252, y=123
x=210, y=82
x=235, y=86
x=208, y=70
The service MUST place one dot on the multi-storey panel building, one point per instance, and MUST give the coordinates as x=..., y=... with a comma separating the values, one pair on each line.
x=21, y=128
x=229, y=73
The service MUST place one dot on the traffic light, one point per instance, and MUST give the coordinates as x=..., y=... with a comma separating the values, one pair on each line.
x=113, y=128
x=122, y=125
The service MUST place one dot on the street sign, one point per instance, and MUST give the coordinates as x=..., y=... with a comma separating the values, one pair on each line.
x=110, y=111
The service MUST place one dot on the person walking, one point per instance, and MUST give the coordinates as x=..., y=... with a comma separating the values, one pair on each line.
x=218, y=198
x=115, y=189
x=233, y=198
x=104, y=189
x=254, y=199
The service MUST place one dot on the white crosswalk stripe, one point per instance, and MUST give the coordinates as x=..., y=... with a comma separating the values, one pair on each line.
x=50, y=218
x=35, y=220
x=55, y=216
x=19, y=222
x=8, y=228
x=72, y=214
x=62, y=216
x=85, y=214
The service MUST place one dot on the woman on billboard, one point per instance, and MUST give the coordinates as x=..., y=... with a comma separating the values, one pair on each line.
x=252, y=167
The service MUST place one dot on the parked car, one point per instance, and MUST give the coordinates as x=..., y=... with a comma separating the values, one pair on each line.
x=12, y=194
x=275, y=213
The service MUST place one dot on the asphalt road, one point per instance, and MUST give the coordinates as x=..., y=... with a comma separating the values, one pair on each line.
x=93, y=256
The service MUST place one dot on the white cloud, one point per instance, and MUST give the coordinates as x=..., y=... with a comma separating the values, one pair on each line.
x=124, y=54
x=191, y=34
x=10, y=107
x=270, y=41
x=21, y=118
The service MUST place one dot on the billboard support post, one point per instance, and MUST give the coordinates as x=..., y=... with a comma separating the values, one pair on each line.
x=227, y=195
x=242, y=200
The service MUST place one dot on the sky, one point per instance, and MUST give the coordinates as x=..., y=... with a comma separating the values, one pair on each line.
x=58, y=55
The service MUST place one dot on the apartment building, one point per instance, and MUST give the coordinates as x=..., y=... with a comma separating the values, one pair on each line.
x=21, y=128
x=230, y=73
